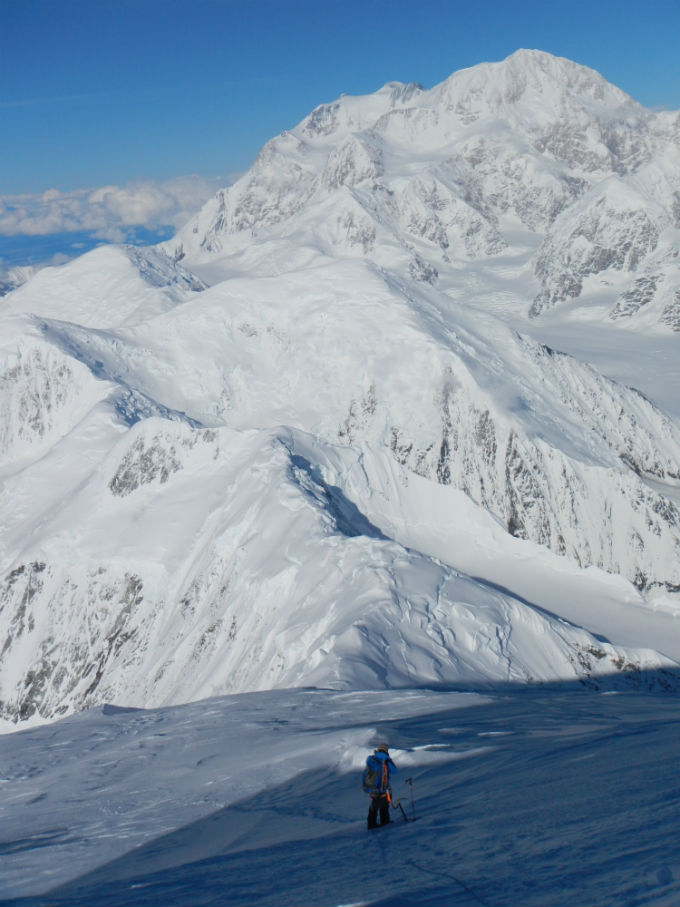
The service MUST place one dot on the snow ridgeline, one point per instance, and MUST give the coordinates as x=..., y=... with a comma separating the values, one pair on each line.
x=560, y=455
x=275, y=580
x=172, y=562
x=193, y=562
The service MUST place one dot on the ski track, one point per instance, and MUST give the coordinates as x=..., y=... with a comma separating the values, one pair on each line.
x=558, y=796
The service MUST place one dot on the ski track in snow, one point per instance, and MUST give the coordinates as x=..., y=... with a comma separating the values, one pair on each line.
x=558, y=796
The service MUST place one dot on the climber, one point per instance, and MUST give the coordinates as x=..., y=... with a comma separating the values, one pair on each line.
x=376, y=783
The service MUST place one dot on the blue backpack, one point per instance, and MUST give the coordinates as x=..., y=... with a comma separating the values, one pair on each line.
x=376, y=774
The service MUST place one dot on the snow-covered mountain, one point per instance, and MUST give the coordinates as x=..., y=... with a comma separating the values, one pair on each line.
x=14, y=276
x=534, y=144
x=320, y=438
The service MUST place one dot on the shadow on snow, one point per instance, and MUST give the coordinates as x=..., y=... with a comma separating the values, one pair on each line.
x=539, y=795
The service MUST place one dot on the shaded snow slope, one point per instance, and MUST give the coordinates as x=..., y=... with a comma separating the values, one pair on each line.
x=522, y=797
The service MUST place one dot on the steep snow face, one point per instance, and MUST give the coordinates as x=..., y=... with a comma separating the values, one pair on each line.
x=431, y=179
x=193, y=546
x=343, y=455
x=108, y=287
x=276, y=579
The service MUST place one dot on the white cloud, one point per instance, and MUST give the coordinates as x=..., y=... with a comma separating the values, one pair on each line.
x=110, y=234
x=110, y=211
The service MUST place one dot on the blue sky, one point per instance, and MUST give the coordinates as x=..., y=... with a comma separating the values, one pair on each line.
x=112, y=92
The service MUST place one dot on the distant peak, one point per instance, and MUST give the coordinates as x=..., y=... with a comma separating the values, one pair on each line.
x=535, y=55
x=549, y=65
x=535, y=73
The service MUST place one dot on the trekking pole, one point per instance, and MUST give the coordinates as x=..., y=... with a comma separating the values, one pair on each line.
x=395, y=804
x=409, y=781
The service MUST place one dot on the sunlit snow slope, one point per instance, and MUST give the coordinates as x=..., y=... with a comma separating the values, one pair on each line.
x=319, y=438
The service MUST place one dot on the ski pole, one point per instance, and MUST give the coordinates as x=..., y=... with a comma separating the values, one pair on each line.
x=409, y=781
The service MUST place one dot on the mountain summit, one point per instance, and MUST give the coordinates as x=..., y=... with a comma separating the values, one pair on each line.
x=321, y=438
x=420, y=180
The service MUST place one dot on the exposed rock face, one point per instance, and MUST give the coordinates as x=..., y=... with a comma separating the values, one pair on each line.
x=671, y=313
x=40, y=391
x=611, y=232
x=550, y=495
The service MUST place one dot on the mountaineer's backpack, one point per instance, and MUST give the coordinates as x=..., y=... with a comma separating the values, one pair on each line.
x=376, y=775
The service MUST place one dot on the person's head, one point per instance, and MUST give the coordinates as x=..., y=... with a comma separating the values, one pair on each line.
x=383, y=748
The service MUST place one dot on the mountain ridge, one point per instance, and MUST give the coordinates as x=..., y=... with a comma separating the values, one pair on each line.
x=317, y=438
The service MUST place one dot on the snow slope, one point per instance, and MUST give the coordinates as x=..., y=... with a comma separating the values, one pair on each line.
x=213, y=561
x=522, y=797
x=321, y=438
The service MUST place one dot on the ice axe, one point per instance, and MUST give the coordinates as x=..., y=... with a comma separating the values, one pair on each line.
x=396, y=803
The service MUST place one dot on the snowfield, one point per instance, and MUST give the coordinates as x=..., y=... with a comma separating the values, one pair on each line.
x=522, y=796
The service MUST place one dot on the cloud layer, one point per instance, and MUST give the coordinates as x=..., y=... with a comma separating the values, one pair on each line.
x=109, y=212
